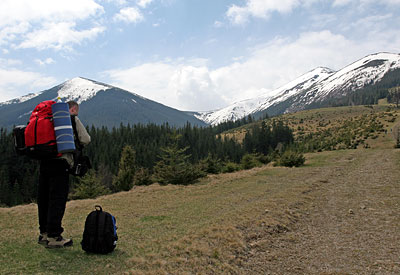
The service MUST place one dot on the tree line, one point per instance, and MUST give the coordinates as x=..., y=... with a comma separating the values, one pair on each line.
x=143, y=154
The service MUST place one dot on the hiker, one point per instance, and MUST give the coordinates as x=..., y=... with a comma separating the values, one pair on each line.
x=53, y=189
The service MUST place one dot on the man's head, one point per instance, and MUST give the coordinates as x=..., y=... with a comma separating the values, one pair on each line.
x=73, y=108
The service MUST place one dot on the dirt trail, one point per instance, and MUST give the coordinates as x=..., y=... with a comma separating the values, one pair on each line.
x=395, y=131
x=352, y=227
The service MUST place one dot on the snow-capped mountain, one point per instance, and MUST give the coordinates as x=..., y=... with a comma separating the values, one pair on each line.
x=81, y=89
x=78, y=89
x=367, y=71
x=312, y=89
x=243, y=108
x=100, y=105
x=106, y=105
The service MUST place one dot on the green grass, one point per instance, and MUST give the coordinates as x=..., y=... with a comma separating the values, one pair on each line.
x=176, y=229
x=160, y=228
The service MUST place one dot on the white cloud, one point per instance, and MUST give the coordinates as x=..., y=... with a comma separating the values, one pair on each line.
x=341, y=2
x=47, y=61
x=268, y=66
x=180, y=85
x=371, y=23
x=11, y=33
x=129, y=15
x=239, y=15
x=9, y=62
x=260, y=9
x=58, y=36
x=15, y=11
x=384, y=2
x=24, y=22
x=338, y=3
x=194, y=88
x=143, y=3
x=118, y=2
x=276, y=63
x=13, y=83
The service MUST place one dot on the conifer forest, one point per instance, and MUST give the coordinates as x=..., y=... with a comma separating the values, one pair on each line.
x=142, y=154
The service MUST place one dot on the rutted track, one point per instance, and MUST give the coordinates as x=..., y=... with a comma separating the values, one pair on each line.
x=352, y=227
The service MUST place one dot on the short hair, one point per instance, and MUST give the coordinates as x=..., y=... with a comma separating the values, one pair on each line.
x=72, y=104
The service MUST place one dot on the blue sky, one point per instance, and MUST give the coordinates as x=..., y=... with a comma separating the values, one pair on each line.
x=187, y=54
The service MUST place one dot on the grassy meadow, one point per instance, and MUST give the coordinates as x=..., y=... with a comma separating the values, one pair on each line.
x=203, y=228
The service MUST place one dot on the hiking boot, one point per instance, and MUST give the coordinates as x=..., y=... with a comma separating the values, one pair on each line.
x=58, y=242
x=43, y=239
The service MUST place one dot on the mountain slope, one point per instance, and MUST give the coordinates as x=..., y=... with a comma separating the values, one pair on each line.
x=100, y=105
x=365, y=72
x=314, y=89
x=250, y=106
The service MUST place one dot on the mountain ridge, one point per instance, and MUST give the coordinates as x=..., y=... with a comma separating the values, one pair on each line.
x=310, y=89
x=101, y=105
x=106, y=105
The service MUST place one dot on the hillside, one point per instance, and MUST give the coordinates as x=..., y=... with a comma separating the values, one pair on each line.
x=336, y=127
x=338, y=214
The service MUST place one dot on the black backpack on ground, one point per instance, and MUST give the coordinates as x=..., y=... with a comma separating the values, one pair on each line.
x=100, y=233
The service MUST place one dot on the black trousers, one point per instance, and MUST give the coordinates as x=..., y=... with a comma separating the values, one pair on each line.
x=52, y=195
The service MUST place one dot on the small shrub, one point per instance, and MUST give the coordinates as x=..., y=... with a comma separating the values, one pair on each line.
x=230, y=167
x=211, y=165
x=185, y=174
x=250, y=161
x=89, y=187
x=264, y=159
x=142, y=177
x=291, y=158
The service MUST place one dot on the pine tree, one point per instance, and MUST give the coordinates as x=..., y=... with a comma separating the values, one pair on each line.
x=174, y=166
x=126, y=172
x=89, y=187
x=395, y=94
x=211, y=164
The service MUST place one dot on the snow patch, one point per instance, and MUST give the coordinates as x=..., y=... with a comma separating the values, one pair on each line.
x=314, y=86
x=80, y=89
x=243, y=108
x=19, y=99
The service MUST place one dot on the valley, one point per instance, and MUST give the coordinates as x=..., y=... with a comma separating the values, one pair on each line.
x=338, y=214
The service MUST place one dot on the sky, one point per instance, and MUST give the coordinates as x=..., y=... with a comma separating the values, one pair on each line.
x=195, y=55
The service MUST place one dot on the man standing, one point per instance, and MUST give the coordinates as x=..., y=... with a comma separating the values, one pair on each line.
x=54, y=187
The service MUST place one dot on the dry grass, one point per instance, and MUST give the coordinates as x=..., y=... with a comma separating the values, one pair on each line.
x=338, y=121
x=267, y=220
x=174, y=229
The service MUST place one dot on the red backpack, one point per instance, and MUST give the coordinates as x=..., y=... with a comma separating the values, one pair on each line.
x=40, y=138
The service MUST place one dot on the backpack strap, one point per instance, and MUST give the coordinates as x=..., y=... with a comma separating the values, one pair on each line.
x=78, y=144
